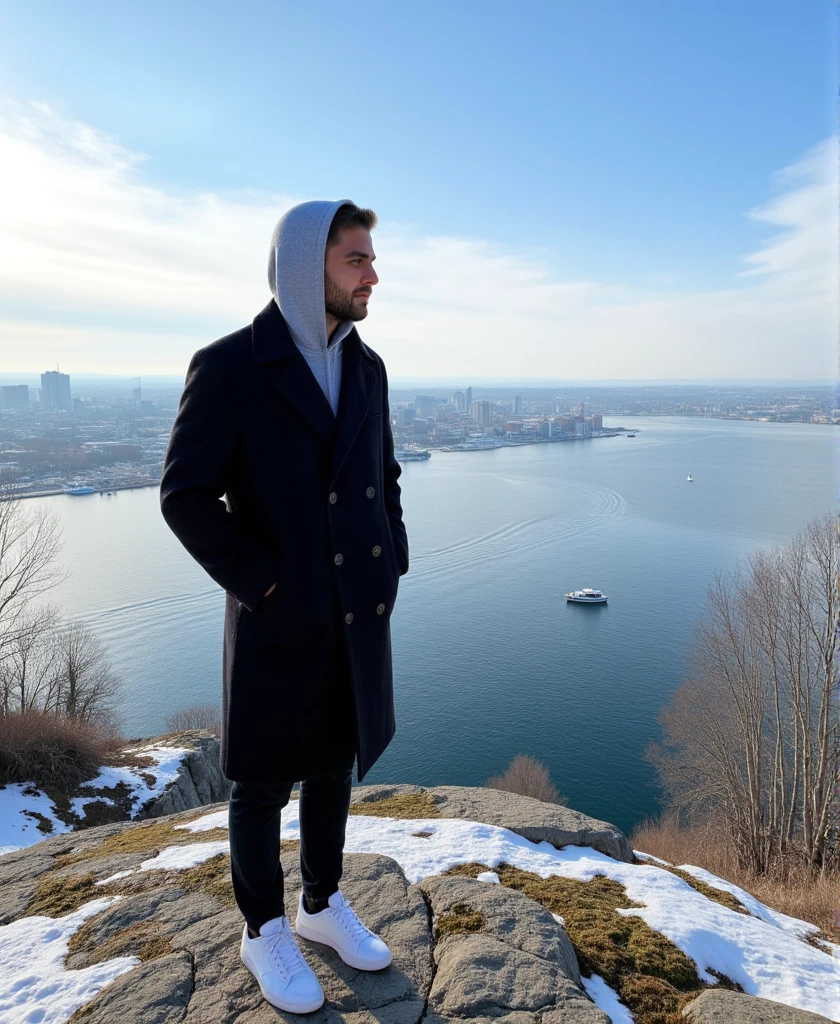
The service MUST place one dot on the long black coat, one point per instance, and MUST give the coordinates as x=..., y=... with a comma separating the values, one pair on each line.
x=312, y=503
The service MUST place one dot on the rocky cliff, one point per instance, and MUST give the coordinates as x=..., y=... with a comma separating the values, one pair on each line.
x=199, y=780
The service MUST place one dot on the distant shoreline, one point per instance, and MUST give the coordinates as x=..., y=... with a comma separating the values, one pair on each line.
x=59, y=490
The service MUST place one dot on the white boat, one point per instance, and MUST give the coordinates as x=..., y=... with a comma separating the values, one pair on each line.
x=79, y=490
x=689, y=478
x=587, y=596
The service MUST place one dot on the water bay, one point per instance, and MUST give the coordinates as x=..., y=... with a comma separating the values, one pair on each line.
x=490, y=661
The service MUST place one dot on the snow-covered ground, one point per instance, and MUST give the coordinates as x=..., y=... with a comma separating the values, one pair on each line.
x=18, y=829
x=763, y=952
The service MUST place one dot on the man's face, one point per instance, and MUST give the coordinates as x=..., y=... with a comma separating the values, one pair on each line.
x=349, y=276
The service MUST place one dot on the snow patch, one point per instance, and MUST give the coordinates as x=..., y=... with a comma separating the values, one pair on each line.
x=178, y=858
x=606, y=999
x=34, y=984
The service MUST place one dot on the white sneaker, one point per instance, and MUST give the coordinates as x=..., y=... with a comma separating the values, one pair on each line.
x=338, y=926
x=285, y=978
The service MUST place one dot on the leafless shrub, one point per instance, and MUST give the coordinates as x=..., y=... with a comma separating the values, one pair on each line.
x=528, y=777
x=49, y=750
x=206, y=717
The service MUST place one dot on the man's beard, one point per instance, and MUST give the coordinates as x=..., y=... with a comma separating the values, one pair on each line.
x=340, y=304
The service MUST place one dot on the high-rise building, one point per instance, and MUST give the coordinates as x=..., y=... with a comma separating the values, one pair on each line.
x=467, y=398
x=15, y=396
x=425, y=405
x=458, y=401
x=407, y=415
x=517, y=405
x=55, y=391
x=481, y=413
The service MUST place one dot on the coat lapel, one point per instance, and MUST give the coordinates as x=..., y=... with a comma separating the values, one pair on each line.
x=358, y=378
x=275, y=351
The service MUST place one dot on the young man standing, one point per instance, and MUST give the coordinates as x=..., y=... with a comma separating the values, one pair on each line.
x=288, y=419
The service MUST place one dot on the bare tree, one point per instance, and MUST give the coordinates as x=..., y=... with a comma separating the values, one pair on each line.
x=30, y=540
x=57, y=668
x=752, y=734
x=528, y=777
x=28, y=669
x=84, y=683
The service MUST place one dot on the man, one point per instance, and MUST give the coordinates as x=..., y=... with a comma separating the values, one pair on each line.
x=288, y=418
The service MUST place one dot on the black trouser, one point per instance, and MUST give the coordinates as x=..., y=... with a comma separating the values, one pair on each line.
x=254, y=827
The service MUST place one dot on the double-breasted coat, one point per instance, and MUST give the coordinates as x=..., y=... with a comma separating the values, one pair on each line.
x=311, y=503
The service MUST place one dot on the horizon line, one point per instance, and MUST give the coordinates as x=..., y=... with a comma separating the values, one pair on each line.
x=452, y=381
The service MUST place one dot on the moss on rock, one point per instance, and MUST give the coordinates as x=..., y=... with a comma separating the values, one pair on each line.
x=141, y=939
x=651, y=975
x=57, y=895
x=211, y=877
x=404, y=805
x=148, y=838
x=460, y=919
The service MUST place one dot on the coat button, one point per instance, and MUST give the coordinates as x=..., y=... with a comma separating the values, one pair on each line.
x=333, y=497
x=370, y=492
x=339, y=558
x=348, y=618
x=377, y=551
x=380, y=608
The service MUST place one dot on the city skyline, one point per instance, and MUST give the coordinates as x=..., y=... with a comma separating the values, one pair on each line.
x=543, y=230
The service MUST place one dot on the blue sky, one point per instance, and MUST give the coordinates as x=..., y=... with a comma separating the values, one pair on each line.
x=591, y=179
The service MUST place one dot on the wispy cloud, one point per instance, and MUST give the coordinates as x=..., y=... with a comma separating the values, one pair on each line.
x=802, y=255
x=106, y=271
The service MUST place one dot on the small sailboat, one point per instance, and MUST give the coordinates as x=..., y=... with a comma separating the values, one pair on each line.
x=689, y=478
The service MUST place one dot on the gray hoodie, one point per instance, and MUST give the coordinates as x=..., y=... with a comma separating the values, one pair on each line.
x=296, y=278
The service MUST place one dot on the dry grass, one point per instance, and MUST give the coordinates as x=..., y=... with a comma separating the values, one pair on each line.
x=653, y=977
x=50, y=750
x=405, y=805
x=528, y=777
x=790, y=888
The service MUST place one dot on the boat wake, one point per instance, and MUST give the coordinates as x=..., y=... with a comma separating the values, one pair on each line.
x=597, y=507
